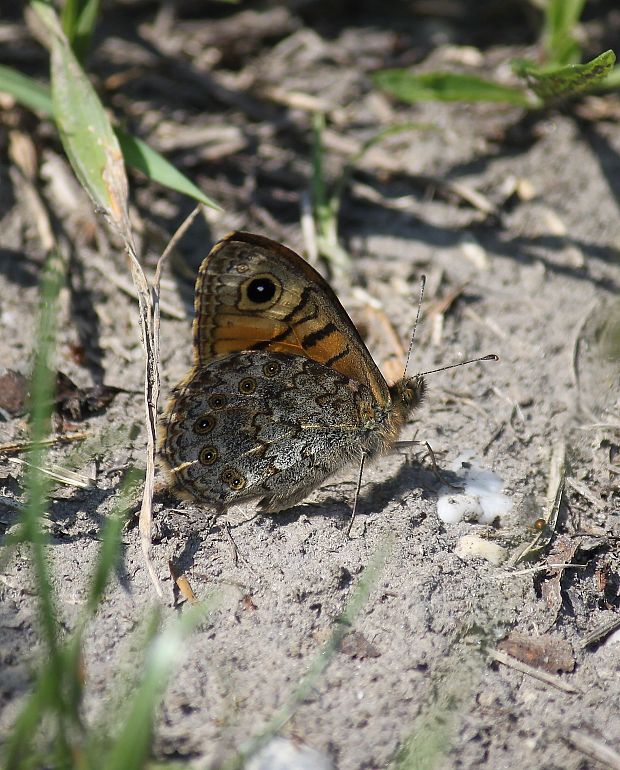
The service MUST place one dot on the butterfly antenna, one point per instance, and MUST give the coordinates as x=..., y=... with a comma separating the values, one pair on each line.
x=490, y=357
x=415, y=324
x=357, y=494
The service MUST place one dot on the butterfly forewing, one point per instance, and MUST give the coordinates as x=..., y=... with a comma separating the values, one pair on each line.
x=255, y=294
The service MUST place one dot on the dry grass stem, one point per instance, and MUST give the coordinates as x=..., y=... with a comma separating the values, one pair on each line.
x=127, y=287
x=62, y=475
x=542, y=676
x=600, y=632
x=594, y=748
x=17, y=447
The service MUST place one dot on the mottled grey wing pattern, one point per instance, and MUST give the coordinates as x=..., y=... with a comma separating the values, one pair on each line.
x=265, y=426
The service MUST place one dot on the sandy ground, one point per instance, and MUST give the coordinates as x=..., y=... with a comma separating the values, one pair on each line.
x=534, y=279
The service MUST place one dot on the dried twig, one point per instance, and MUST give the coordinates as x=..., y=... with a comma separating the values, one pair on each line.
x=127, y=287
x=17, y=447
x=592, y=747
x=555, y=491
x=582, y=490
x=378, y=158
x=600, y=632
x=543, y=568
x=56, y=472
x=150, y=316
x=542, y=676
x=233, y=546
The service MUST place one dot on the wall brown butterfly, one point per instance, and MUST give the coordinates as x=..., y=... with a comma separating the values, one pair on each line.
x=282, y=392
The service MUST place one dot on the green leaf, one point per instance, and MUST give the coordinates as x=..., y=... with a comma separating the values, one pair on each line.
x=85, y=129
x=447, y=87
x=25, y=90
x=555, y=84
x=147, y=160
x=137, y=153
x=561, y=17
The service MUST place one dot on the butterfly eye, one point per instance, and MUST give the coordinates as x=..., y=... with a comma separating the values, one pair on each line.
x=233, y=478
x=208, y=455
x=217, y=401
x=204, y=424
x=247, y=386
x=271, y=369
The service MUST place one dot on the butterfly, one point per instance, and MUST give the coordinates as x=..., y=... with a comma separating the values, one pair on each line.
x=282, y=391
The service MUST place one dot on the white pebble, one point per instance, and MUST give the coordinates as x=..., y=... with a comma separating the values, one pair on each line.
x=472, y=546
x=283, y=754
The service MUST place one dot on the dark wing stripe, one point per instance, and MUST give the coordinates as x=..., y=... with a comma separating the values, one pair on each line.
x=303, y=301
x=343, y=354
x=310, y=340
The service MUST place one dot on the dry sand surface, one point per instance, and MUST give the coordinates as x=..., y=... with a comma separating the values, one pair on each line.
x=532, y=270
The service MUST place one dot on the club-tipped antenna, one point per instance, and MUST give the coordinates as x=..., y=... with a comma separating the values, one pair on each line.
x=489, y=357
x=415, y=324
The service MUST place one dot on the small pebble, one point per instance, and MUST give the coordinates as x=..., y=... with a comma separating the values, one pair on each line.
x=472, y=546
x=284, y=754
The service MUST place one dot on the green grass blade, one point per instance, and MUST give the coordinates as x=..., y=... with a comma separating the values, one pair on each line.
x=109, y=551
x=131, y=747
x=25, y=90
x=37, y=483
x=325, y=207
x=556, y=84
x=143, y=158
x=447, y=87
x=137, y=153
x=427, y=746
x=49, y=693
x=451, y=687
x=20, y=750
x=78, y=22
x=322, y=210
x=561, y=17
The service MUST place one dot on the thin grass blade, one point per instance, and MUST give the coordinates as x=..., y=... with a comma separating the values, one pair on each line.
x=78, y=22
x=49, y=691
x=561, y=17
x=342, y=625
x=26, y=90
x=153, y=165
x=447, y=87
x=109, y=552
x=131, y=747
